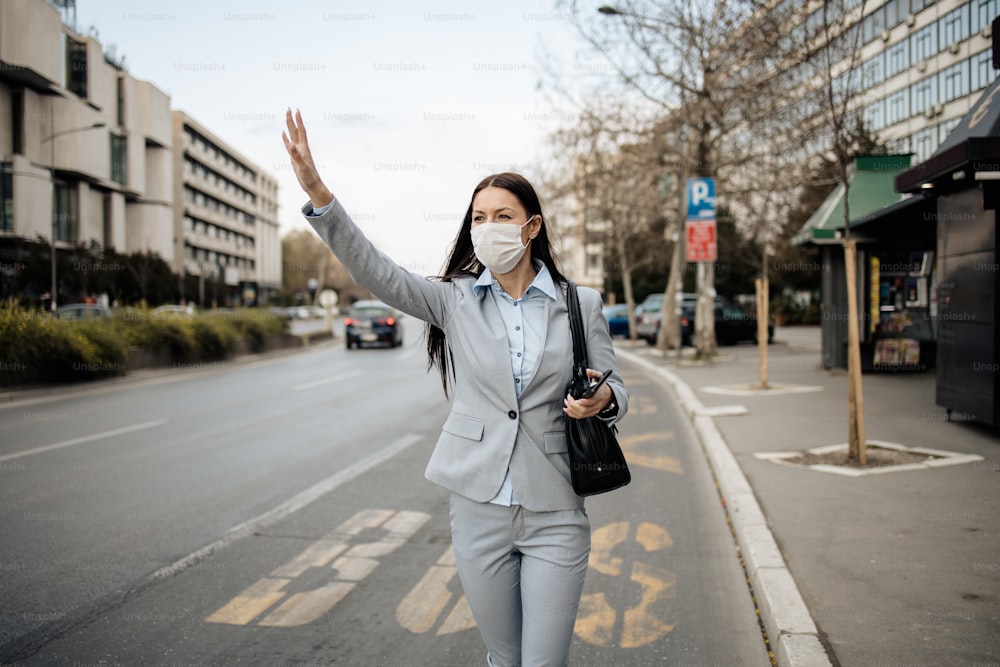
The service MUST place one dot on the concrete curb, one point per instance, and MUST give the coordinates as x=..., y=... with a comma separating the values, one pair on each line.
x=792, y=635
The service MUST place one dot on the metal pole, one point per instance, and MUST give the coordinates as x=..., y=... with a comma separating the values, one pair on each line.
x=52, y=164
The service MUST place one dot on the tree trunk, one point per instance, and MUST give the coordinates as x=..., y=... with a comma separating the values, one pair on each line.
x=762, y=310
x=856, y=412
x=670, y=335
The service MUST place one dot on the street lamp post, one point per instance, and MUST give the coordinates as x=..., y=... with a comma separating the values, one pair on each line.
x=55, y=218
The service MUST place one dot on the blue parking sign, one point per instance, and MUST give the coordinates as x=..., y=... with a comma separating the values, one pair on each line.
x=701, y=199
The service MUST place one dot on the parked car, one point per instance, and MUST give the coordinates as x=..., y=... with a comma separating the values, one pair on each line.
x=82, y=311
x=174, y=310
x=647, y=320
x=372, y=322
x=617, y=317
x=732, y=323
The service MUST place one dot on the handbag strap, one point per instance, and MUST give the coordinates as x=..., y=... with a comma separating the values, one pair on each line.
x=576, y=326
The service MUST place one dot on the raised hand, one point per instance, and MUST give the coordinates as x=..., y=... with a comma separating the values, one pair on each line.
x=297, y=145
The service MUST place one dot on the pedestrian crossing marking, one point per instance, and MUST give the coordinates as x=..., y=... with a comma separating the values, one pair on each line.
x=349, y=563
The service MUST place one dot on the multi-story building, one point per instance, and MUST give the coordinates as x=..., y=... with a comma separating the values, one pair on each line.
x=92, y=156
x=85, y=154
x=920, y=65
x=226, y=215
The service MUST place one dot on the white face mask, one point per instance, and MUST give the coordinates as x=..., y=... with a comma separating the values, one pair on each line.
x=498, y=245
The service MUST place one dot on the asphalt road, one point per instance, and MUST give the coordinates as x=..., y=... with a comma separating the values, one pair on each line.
x=275, y=513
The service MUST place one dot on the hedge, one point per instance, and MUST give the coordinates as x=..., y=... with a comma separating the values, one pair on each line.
x=38, y=348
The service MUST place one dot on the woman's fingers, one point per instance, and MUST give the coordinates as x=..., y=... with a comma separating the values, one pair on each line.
x=586, y=407
x=290, y=124
x=301, y=127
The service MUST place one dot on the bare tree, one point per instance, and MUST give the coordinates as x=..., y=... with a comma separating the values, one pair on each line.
x=303, y=257
x=700, y=62
x=832, y=49
x=613, y=185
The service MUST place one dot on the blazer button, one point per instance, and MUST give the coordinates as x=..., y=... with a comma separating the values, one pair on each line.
x=512, y=414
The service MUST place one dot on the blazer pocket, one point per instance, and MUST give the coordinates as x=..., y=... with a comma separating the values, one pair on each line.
x=555, y=442
x=464, y=427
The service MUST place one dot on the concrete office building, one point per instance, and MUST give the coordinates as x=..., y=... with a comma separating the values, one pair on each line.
x=85, y=146
x=92, y=156
x=923, y=64
x=226, y=216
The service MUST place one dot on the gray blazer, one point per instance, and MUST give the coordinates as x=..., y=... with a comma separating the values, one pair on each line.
x=489, y=428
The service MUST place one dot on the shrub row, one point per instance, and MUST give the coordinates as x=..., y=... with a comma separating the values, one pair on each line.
x=35, y=347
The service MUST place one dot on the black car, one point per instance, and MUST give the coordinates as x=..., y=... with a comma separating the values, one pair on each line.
x=732, y=323
x=372, y=322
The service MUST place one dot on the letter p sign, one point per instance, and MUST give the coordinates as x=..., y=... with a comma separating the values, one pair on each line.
x=701, y=199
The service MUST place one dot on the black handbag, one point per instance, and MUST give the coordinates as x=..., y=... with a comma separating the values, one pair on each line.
x=597, y=464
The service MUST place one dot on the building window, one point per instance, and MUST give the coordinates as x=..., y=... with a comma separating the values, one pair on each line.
x=6, y=197
x=873, y=25
x=121, y=99
x=897, y=107
x=924, y=43
x=899, y=146
x=897, y=58
x=106, y=219
x=65, y=211
x=875, y=116
x=924, y=144
x=982, y=70
x=924, y=94
x=873, y=71
x=983, y=13
x=895, y=12
x=955, y=26
x=955, y=81
x=119, y=160
x=945, y=128
x=17, y=121
x=76, y=67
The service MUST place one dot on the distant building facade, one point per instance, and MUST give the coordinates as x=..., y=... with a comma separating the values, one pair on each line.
x=226, y=217
x=91, y=156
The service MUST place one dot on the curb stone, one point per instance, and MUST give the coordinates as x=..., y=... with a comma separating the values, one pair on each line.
x=793, y=636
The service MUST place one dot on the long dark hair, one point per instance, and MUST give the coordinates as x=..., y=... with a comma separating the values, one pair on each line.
x=463, y=260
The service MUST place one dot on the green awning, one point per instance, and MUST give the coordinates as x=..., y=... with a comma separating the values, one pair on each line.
x=872, y=188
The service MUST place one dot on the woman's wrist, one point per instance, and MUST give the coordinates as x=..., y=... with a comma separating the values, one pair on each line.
x=320, y=197
x=610, y=409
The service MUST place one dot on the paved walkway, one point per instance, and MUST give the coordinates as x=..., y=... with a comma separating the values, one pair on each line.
x=895, y=568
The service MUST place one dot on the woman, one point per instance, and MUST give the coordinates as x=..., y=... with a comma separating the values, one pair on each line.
x=499, y=335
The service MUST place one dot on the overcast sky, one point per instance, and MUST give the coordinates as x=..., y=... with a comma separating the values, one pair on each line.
x=408, y=104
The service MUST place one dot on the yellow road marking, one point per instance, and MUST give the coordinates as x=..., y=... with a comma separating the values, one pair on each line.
x=316, y=554
x=421, y=608
x=641, y=624
x=632, y=445
x=356, y=563
x=595, y=623
x=250, y=603
x=306, y=607
x=424, y=604
x=459, y=619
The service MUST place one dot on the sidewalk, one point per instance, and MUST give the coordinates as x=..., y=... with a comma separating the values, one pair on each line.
x=895, y=568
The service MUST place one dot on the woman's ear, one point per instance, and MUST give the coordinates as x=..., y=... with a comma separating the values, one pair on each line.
x=535, y=227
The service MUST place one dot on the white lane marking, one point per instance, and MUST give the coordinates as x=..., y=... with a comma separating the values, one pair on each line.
x=293, y=504
x=83, y=439
x=330, y=380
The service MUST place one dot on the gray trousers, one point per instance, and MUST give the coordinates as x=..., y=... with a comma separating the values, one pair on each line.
x=522, y=573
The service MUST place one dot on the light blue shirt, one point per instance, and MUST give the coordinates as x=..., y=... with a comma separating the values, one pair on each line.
x=524, y=322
